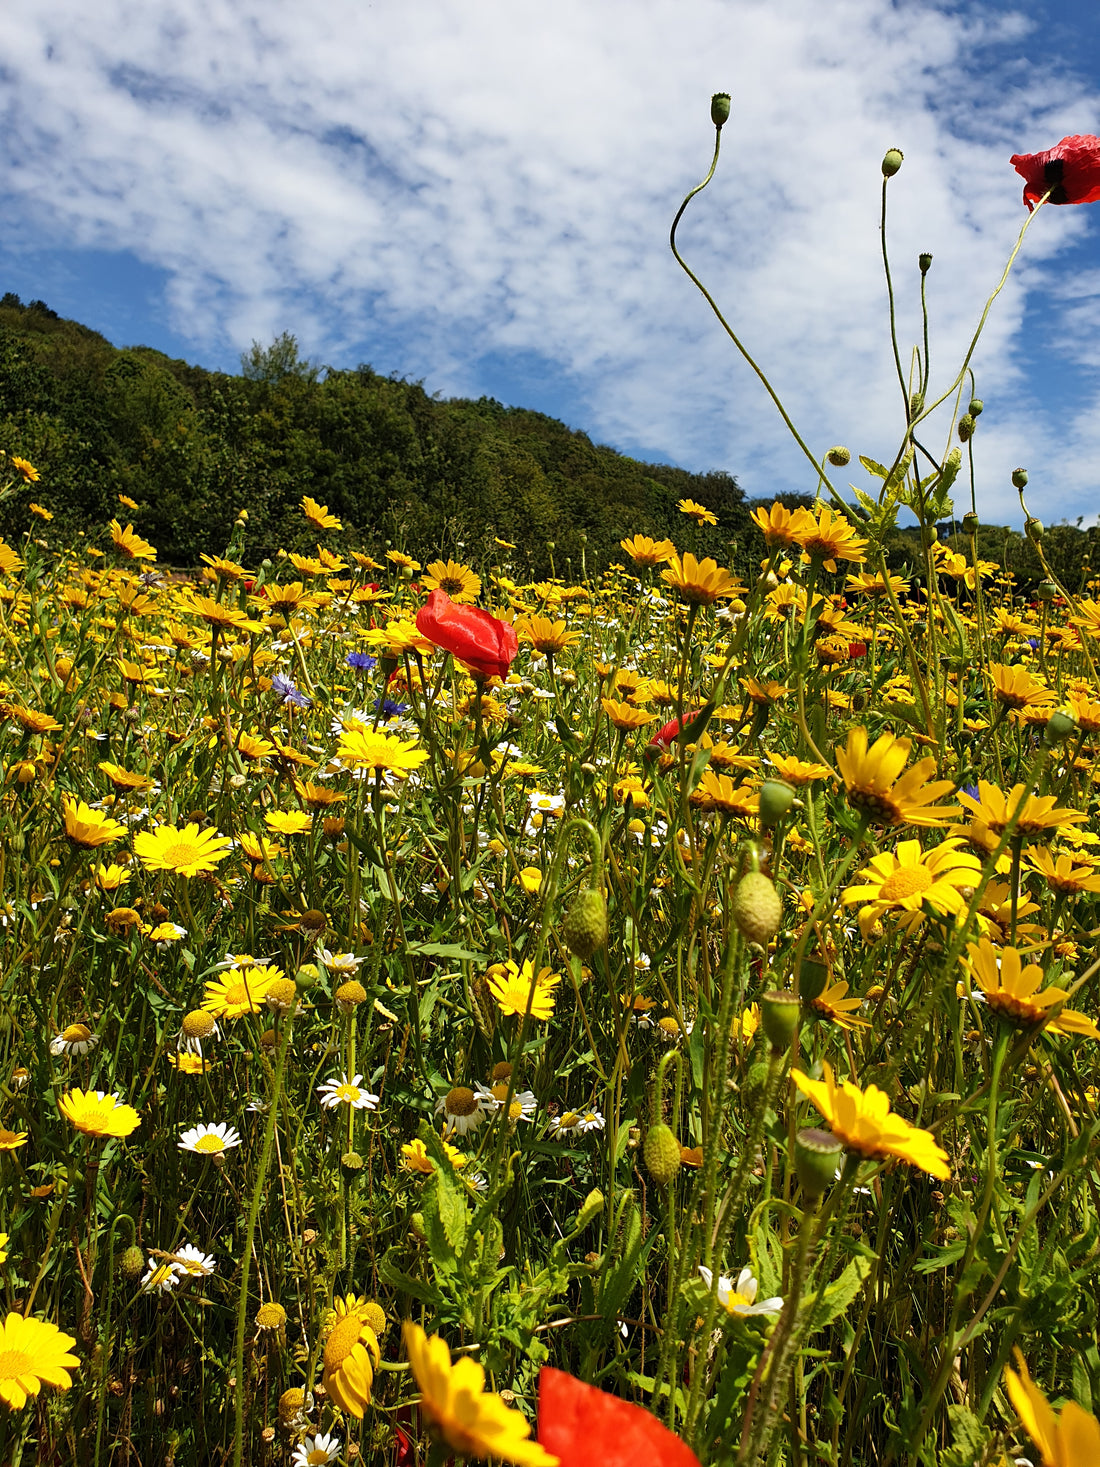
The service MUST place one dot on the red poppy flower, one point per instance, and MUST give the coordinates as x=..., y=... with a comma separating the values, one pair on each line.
x=672, y=730
x=857, y=649
x=1071, y=170
x=481, y=641
x=583, y=1426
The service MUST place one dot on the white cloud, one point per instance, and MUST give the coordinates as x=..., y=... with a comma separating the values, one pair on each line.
x=497, y=178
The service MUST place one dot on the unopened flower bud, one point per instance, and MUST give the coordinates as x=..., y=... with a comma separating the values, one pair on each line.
x=756, y=1082
x=720, y=108
x=839, y=456
x=585, y=925
x=892, y=162
x=757, y=909
x=661, y=1154
x=1019, y=478
x=776, y=798
x=306, y=976
x=1061, y=725
x=928, y=536
x=965, y=428
x=813, y=974
x=132, y=1262
x=816, y=1156
x=779, y=1013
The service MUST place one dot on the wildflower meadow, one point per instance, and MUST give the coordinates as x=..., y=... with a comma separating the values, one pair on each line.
x=640, y=1016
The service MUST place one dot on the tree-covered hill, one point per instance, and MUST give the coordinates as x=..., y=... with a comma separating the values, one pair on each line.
x=193, y=447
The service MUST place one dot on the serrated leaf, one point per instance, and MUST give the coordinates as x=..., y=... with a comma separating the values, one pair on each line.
x=873, y=467
x=839, y=1294
x=452, y=950
x=397, y=1279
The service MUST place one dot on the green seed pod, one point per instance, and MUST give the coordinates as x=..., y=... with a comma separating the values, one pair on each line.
x=924, y=260
x=776, y=798
x=892, y=162
x=812, y=976
x=1060, y=726
x=1019, y=478
x=306, y=976
x=816, y=1157
x=839, y=456
x=779, y=1015
x=1047, y=591
x=18, y=843
x=970, y=522
x=976, y=408
x=585, y=925
x=720, y=108
x=928, y=536
x=661, y=1153
x=351, y=1162
x=1033, y=529
x=757, y=909
x=132, y=1262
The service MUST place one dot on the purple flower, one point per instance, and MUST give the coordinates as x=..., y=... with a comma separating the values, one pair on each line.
x=361, y=661
x=389, y=709
x=285, y=689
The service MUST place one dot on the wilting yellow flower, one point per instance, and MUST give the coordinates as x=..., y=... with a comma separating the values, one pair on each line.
x=24, y=469
x=862, y=1120
x=869, y=776
x=350, y=1359
x=415, y=1158
x=512, y=986
x=98, y=1114
x=1015, y=992
x=472, y=1421
x=131, y=545
x=1061, y=873
x=33, y=1353
x=1069, y=1440
x=123, y=780
x=318, y=515
x=644, y=551
x=764, y=694
x=30, y=719
x=457, y=580
x=700, y=582
x=187, y=852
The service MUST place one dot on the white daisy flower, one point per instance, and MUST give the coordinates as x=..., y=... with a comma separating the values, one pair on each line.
x=210, y=1140
x=523, y=1105
x=343, y=1091
x=192, y=1262
x=76, y=1039
x=580, y=1121
x=740, y=1297
x=461, y=1110
x=338, y=962
x=160, y=1277
x=316, y=1451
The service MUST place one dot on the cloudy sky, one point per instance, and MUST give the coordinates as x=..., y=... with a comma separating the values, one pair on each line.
x=479, y=196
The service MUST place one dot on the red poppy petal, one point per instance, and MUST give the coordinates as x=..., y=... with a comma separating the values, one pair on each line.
x=584, y=1426
x=1070, y=171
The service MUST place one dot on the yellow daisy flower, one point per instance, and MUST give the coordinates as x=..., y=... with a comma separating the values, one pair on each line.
x=1014, y=992
x=511, y=987
x=187, y=851
x=869, y=777
x=33, y=1353
x=862, y=1120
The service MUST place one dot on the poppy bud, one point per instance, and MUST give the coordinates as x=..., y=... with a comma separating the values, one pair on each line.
x=661, y=1153
x=1019, y=478
x=132, y=1262
x=720, y=108
x=1061, y=725
x=816, y=1155
x=351, y=1162
x=925, y=262
x=976, y=408
x=970, y=522
x=779, y=1018
x=585, y=925
x=892, y=162
x=839, y=456
x=1033, y=529
x=756, y=1083
x=757, y=909
x=966, y=428
x=813, y=974
x=916, y=402
x=1046, y=591
x=776, y=798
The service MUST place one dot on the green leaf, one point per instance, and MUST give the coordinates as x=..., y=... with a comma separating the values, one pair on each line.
x=452, y=950
x=839, y=1294
x=873, y=467
x=969, y=1438
x=397, y=1279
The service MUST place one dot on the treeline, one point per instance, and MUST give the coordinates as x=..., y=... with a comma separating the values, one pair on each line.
x=399, y=467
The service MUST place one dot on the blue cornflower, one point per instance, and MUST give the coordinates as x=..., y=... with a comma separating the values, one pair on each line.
x=361, y=661
x=388, y=708
x=285, y=689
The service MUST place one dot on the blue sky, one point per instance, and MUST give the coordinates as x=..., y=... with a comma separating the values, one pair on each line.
x=479, y=197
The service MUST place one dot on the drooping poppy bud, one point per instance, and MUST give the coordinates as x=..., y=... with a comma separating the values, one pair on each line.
x=481, y=641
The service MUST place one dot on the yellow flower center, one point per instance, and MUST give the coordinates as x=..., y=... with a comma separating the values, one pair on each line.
x=197, y=1024
x=348, y=1093
x=14, y=1363
x=342, y=1342
x=271, y=1316
x=238, y=993
x=209, y=1144
x=905, y=882
x=183, y=853
x=461, y=1101
x=76, y=1032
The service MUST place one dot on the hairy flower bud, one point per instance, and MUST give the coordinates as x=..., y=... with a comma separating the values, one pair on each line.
x=661, y=1153
x=776, y=798
x=591, y=1208
x=1061, y=725
x=132, y=1262
x=757, y=909
x=585, y=925
x=965, y=428
x=839, y=456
